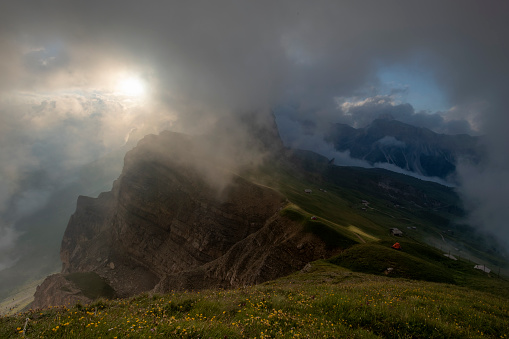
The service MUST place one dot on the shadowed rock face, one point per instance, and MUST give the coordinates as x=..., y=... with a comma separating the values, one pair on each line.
x=277, y=249
x=175, y=219
x=56, y=290
x=68, y=289
x=163, y=217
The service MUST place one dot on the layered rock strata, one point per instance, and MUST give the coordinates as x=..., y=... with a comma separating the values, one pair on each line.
x=176, y=219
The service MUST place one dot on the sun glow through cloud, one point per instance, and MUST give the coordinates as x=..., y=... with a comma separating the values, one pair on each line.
x=131, y=86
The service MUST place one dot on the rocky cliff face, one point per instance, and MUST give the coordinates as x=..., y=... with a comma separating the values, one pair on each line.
x=56, y=290
x=176, y=219
x=411, y=148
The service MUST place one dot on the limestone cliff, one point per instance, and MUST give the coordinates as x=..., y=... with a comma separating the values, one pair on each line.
x=177, y=219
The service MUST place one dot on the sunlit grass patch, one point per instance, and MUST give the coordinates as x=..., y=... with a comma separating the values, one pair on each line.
x=364, y=235
x=333, y=235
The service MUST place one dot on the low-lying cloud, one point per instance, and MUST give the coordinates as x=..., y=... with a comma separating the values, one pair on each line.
x=8, y=237
x=391, y=141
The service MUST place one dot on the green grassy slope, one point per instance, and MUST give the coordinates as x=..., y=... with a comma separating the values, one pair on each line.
x=426, y=212
x=355, y=208
x=376, y=259
x=324, y=301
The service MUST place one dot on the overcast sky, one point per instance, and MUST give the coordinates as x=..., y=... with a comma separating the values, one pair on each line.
x=76, y=77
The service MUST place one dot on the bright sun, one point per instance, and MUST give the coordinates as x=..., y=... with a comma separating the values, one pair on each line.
x=131, y=86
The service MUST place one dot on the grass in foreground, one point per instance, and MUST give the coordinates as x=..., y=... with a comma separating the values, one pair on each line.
x=326, y=301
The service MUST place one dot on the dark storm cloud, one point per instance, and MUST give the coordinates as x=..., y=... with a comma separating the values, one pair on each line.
x=248, y=54
x=205, y=60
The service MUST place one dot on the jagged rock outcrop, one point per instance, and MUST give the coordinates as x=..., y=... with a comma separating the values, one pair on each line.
x=177, y=219
x=68, y=289
x=279, y=248
x=163, y=216
x=57, y=290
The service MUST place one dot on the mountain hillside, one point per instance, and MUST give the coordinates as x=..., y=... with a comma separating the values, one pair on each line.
x=167, y=225
x=180, y=218
x=415, y=149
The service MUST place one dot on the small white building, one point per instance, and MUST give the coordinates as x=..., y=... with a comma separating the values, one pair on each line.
x=482, y=268
x=308, y=191
x=396, y=232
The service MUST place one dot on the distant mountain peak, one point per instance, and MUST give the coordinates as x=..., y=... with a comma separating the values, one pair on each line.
x=386, y=116
x=409, y=147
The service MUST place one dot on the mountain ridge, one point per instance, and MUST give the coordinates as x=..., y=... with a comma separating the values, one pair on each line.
x=164, y=221
x=411, y=148
x=179, y=218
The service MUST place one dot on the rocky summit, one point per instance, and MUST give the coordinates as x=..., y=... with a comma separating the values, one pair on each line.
x=176, y=219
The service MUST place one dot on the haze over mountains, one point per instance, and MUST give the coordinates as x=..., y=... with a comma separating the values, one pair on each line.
x=167, y=225
x=90, y=244
x=411, y=148
x=36, y=253
x=180, y=217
